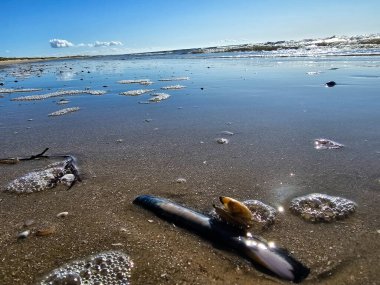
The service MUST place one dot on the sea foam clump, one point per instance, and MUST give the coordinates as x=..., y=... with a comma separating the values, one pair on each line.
x=40, y=180
x=64, y=111
x=158, y=97
x=111, y=268
x=326, y=144
x=262, y=214
x=173, y=87
x=322, y=208
x=136, y=92
x=59, y=93
x=174, y=79
x=138, y=81
x=5, y=90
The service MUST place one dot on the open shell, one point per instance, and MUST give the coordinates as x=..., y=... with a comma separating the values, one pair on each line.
x=245, y=215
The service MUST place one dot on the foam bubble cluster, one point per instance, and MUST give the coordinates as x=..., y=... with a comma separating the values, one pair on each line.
x=58, y=93
x=326, y=144
x=322, y=208
x=174, y=79
x=157, y=97
x=136, y=92
x=173, y=87
x=111, y=268
x=138, y=81
x=64, y=111
x=5, y=90
x=40, y=180
x=262, y=214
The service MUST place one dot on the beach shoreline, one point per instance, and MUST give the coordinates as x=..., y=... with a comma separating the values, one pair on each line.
x=4, y=62
x=269, y=110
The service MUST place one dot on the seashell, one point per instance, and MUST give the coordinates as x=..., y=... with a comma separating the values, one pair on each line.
x=62, y=214
x=181, y=180
x=234, y=212
x=227, y=133
x=267, y=255
x=222, y=141
x=23, y=234
x=67, y=179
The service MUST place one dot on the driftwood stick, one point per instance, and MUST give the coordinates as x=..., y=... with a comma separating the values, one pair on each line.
x=36, y=156
x=14, y=160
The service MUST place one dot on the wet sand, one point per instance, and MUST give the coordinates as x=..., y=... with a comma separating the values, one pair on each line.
x=275, y=110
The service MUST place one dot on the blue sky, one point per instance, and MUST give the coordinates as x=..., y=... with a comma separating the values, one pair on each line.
x=124, y=26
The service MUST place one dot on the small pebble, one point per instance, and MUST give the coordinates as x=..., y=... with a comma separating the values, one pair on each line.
x=30, y=120
x=330, y=84
x=222, y=141
x=68, y=179
x=119, y=140
x=150, y=221
x=23, y=234
x=28, y=223
x=148, y=120
x=62, y=214
x=181, y=180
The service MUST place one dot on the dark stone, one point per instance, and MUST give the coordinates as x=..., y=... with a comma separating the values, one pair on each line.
x=330, y=84
x=1, y=83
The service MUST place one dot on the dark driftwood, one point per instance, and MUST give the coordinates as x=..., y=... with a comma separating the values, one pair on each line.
x=14, y=160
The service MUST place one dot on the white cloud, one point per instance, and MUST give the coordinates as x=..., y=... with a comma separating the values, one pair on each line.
x=107, y=44
x=58, y=43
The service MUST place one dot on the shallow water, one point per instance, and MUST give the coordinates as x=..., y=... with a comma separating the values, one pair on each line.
x=124, y=149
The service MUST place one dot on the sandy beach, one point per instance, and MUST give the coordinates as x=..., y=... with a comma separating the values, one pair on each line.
x=10, y=61
x=274, y=108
